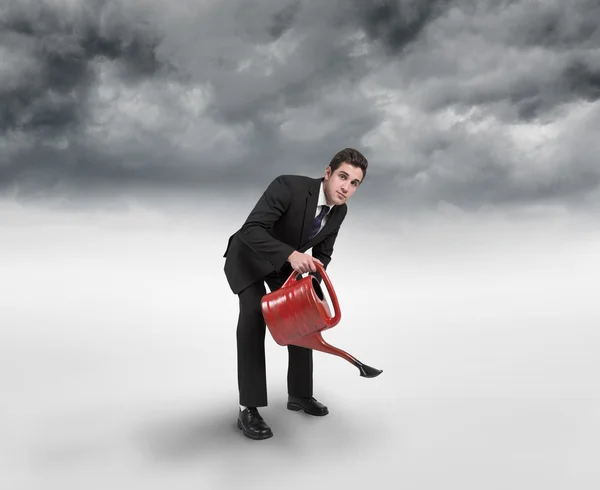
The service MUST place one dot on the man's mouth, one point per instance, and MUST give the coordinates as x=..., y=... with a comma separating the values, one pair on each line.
x=341, y=196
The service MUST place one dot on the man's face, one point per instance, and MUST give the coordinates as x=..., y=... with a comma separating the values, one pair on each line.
x=341, y=184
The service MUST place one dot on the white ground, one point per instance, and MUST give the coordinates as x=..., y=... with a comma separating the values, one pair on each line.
x=117, y=358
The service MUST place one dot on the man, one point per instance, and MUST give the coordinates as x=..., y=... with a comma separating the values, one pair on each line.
x=294, y=214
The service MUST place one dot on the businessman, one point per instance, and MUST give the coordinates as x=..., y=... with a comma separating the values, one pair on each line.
x=293, y=215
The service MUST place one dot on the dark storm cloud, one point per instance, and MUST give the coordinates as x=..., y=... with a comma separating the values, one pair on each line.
x=42, y=170
x=472, y=103
x=282, y=21
x=493, y=174
x=560, y=25
x=531, y=95
x=61, y=46
x=397, y=23
x=521, y=59
x=583, y=80
x=279, y=73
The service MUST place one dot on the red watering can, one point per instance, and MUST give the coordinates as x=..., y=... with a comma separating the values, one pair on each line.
x=297, y=313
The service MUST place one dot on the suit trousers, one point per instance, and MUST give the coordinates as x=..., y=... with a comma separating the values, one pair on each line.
x=251, y=330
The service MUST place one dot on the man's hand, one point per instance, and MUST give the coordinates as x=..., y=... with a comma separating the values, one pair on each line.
x=302, y=262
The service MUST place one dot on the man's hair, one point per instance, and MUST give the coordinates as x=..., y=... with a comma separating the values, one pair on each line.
x=351, y=156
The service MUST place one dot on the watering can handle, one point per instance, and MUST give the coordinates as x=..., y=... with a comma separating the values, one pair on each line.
x=334, y=320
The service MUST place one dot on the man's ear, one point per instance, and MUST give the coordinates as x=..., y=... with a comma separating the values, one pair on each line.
x=327, y=173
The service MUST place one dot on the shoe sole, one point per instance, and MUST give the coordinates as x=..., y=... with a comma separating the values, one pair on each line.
x=296, y=407
x=252, y=436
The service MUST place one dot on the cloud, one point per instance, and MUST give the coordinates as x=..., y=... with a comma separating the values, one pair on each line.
x=485, y=104
x=521, y=60
x=396, y=24
x=55, y=49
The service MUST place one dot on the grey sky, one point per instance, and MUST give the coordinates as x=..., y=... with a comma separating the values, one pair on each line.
x=469, y=103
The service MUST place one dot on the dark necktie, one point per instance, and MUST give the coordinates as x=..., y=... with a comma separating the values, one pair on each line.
x=316, y=226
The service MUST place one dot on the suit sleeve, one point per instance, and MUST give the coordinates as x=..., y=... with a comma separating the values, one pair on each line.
x=255, y=232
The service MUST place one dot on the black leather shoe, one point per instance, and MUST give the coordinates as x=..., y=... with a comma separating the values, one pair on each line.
x=309, y=405
x=252, y=424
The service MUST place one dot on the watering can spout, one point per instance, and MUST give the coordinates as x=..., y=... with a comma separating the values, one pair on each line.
x=367, y=371
x=297, y=313
x=317, y=342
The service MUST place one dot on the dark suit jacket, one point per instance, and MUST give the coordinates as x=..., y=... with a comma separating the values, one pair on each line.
x=279, y=224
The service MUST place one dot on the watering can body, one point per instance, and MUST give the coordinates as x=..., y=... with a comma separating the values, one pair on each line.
x=298, y=312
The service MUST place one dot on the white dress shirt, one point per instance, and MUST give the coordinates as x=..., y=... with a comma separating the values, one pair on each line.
x=320, y=203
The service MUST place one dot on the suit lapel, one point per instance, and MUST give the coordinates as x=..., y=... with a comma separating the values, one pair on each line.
x=310, y=208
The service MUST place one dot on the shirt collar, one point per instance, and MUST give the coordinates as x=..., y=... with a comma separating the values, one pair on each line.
x=322, y=199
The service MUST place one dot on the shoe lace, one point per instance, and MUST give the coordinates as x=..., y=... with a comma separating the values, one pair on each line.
x=253, y=413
